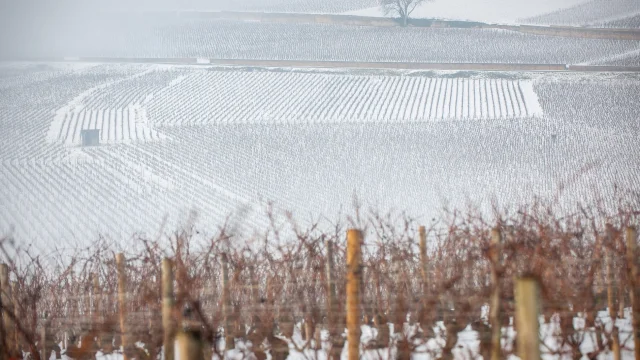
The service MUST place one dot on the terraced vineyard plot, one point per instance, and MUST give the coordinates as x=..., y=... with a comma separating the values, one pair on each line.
x=632, y=22
x=595, y=104
x=117, y=109
x=219, y=39
x=29, y=98
x=589, y=13
x=220, y=169
x=119, y=125
x=131, y=109
x=631, y=58
x=580, y=144
x=118, y=194
x=209, y=97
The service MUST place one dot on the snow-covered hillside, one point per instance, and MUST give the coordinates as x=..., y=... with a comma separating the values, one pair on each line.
x=404, y=140
x=489, y=11
x=156, y=36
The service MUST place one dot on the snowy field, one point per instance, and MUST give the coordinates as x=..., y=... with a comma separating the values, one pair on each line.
x=213, y=97
x=629, y=58
x=405, y=140
x=592, y=13
x=546, y=12
x=298, y=98
x=601, y=13
x=489, y=11
x=466, y=347
x=155, y=36
x=598, y=13
x=632, y=22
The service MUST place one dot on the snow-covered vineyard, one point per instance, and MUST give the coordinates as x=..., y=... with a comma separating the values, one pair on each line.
x=157, y=154
x=156, y=36
x=604, y=13
x=601, y=13
x=436, y=137
x=214, y=96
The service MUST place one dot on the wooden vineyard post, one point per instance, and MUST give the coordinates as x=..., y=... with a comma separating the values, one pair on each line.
x=47, y=344
x=5, y=301
x=495, y=309
x=17, y=337
x=226, y=303
x=103, y=341
x=335, y=323
x=424, y=268
x=611, y=302
x=7, y=327
x=189, y=343
x=95, y=309
x=255, y=288
x=97, y=296
x=634, y=294
x=167, y=309
x=354, y=272
x=400, y=309
x=122, y=303
x=96, y=300
x=43, y=342
x=527, y=311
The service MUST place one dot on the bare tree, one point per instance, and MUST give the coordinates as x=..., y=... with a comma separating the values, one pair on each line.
x=401, y=8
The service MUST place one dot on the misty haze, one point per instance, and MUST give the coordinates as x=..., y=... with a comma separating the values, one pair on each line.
x=319, y=179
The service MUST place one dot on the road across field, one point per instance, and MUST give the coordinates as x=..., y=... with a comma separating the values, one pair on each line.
x=351, y=64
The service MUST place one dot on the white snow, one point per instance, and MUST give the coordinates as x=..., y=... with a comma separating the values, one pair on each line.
x=71, y=116
x=531, y=99
x=467, y=345
x=489, y=11
x=261, y=97
x=625, y=55
x=229, y=163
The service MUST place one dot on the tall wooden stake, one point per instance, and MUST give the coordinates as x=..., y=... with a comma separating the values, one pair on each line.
x=189, y=343
x=494, y=314
x=354, y=272
x=168, y=325
x=226, y=304
x=4, y=317
x=634, y=293
x=400, y=311
x=97, y=318
x=17, y=337
x=6, y=328
x=334, y=320
x=44, y=354
x=611, y=302
x=424, y=265
x=527, y=311
x=96, y=299
x=122, y=303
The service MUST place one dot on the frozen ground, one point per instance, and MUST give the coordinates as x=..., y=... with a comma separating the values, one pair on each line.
x=466, y=348
x=489, y=11
x=597, y=13
x=591, y=13
x=165, y=36
x=225, y=156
